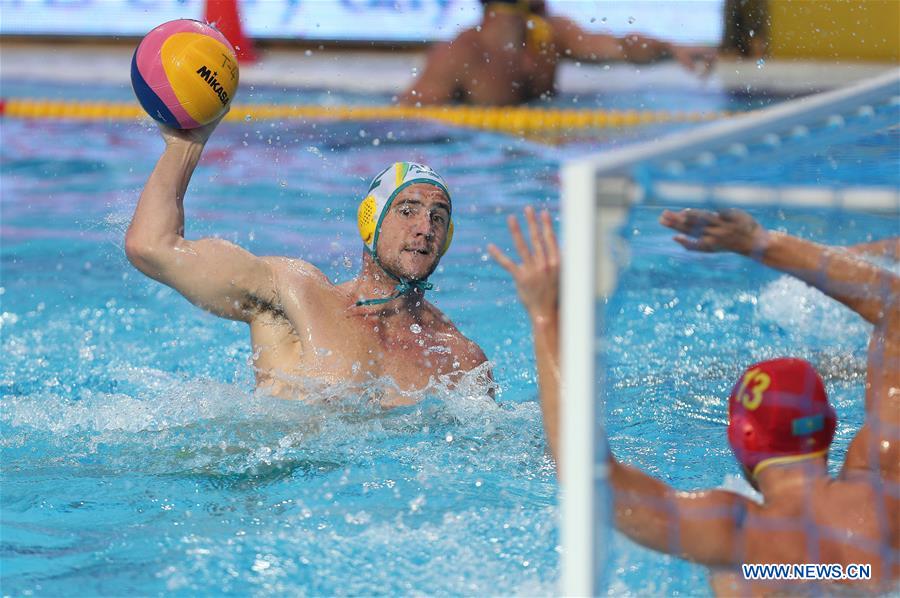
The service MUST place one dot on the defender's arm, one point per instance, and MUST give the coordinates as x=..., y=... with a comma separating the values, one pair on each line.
x=537, y=281
x=876, y=447
x=867, y=289
x=211, y=273
x=870, y=291
x=699, y=526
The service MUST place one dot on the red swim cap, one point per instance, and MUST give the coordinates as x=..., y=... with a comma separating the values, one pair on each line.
x=777, y=413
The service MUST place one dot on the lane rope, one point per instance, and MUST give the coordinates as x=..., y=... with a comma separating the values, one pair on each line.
x=509, y=119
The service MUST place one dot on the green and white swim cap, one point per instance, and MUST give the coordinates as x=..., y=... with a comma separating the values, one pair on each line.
x=384, y=188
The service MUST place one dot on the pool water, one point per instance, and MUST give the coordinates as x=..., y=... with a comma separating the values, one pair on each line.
x=858, y=149
x=137, y=459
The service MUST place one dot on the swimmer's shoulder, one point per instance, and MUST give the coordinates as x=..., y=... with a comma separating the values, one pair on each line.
x=466, y=39
x=468, y=352
x=462, y=50
x=297, y=278
x=732, y=508
x=295, y=270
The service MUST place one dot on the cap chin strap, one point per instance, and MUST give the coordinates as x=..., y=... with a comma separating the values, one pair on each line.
x=403, y=287
x=787, y=459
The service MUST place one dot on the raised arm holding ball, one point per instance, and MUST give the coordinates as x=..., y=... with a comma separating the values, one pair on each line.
x=303, y=326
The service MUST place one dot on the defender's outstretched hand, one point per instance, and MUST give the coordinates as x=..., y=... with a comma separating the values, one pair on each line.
x=537, y=277
x=537, y=281
x=726, y=230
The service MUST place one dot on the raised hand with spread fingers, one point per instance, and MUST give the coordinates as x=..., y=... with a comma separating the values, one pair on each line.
x=537, y=282
x=537, y=276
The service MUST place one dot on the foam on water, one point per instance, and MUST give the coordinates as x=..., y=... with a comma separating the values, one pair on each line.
x=806, y=312
x=220, y=413
x=332, y=495
x=803, y=310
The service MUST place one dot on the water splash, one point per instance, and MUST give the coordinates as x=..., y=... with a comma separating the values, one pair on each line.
x=807, y=313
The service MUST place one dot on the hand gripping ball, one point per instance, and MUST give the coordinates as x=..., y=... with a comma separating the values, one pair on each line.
x=184, y=73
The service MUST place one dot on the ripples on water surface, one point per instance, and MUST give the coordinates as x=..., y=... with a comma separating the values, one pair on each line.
x=137, y=459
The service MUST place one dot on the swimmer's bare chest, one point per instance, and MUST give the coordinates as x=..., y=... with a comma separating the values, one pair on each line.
x=321, y=336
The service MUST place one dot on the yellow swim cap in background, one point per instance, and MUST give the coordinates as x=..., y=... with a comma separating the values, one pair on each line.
x=538, y=34
x=384, y=188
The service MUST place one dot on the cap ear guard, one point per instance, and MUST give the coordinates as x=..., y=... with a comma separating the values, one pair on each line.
x=449, y=238
x=365, y=220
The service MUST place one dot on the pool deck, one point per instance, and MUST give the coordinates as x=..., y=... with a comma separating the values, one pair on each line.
x=391, y=72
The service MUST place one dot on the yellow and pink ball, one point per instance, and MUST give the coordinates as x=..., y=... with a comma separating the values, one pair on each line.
x=184, y=74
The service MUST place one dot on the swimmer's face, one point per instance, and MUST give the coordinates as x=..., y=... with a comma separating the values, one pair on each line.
x=413, y=232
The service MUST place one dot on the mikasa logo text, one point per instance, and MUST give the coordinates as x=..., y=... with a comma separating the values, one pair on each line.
x=210, y=78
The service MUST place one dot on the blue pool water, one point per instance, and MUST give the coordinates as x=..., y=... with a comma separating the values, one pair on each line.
x=137, y=459
x=857, y=149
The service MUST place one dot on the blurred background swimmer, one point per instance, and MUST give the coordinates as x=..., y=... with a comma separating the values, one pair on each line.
x=512, y=56
x=780, y=426
x=301, y=325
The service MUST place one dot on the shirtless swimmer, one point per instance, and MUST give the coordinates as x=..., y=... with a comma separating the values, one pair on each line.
x=301, y=325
